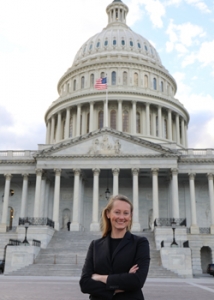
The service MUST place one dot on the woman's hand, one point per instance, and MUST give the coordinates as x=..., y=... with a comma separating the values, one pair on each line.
x=98, y=277
x=134, y=269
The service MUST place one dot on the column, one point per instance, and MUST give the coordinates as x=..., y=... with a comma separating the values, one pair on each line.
x=134, y=117
x=160, y=134
x=48, y=132
x=183, y=133
x=211, y=195
x=37, y=193
x=177, y=129
x=3, y=225
x=120, y=119
x=194, y=227
x=42, y=196
x=169, y=127
x=186, y=139
x=67, y=123
x=147, y=119
x=135, y=224
x=153, y=120
x=56, y=199
x=52, y=129
x=75, y=225
x=155, y=195
x=59, y=127
x=78, y=119
x=115, y=181
x=91, y=121
x=24, y=196
x=46, y=206
x=175, y=199
x=95, y=209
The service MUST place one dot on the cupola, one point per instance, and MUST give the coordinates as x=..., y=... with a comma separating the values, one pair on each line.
x=117, y=12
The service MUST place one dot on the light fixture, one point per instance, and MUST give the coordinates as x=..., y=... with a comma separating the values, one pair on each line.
x=26, y=228
x=107, y=192
x=173, y=223
x=12, y=192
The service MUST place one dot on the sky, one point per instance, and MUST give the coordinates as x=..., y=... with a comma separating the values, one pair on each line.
x=39, y=40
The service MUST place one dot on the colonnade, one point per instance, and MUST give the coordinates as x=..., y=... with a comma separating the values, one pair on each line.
x=144, y=119
x=42, y=189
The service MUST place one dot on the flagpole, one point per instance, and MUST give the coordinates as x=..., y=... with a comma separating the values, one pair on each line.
x=106, y=102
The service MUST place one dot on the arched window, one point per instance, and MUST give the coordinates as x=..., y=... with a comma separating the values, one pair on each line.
x=135, y=79
x=88, y=122
x=125, y=78
x=162, y=88
x=113, y=119
x=113, y=78
x=125, y=121
x=165, y=129
x=138, y=122
x=82, y=82
x=146, y=81
x=74, y=85
x=100, y=119
x=71, y=127
x=92, y=80
x=102, y=75
x=154, y=83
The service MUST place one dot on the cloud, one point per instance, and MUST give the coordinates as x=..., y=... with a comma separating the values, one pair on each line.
x=154, y=8
x=201, y=5
x=183, y=36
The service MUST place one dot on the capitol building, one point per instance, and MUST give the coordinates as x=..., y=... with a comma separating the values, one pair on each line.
x=130, y=139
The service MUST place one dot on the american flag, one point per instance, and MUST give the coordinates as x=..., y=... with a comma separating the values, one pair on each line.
x=101, y=84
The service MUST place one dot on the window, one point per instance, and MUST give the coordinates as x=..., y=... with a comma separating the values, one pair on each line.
x=81, y=125
x=135, y=79
x=145, y=47
x=139, y=45
x=100, y=119
x=74, y=85
x=131, y=43
x=117, y=14
x=113, y=119
x=114, y=42
x=98, y=44
x=162, y=89
x=106, y=43
x=123, y=43
x=125, y=78
x=138, y=122
x=71, y=127
x=125, y=121
x=91, y=80
x=146, y=81
x=82, y=82
x=102, y=75
x=113, y=78
x=91, y=46
x=154, y=83
x=88, y=121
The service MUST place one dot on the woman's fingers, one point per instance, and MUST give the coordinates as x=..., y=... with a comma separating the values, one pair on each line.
x=134, y=269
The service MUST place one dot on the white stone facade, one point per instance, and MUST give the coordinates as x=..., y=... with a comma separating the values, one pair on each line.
x=135, y=143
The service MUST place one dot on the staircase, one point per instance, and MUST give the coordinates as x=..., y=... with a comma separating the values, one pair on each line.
x=4, y=240
x=65, y=256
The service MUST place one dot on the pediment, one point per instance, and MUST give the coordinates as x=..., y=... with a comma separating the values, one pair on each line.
x=105, y=142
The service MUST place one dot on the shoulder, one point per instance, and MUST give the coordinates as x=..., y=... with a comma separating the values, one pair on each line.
x=139, y=239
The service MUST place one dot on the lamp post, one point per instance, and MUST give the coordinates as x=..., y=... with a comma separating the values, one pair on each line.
x=26, y=228
x=107, y=193
x=174, y=244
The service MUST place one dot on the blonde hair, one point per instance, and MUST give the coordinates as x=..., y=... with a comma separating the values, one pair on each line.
x=105, y=224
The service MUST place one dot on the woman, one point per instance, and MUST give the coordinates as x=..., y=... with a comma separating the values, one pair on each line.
x=116, y=265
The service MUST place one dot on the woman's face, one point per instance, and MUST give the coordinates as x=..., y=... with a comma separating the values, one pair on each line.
x=120, y=215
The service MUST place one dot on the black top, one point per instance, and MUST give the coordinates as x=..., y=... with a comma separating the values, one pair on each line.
x=113, y=245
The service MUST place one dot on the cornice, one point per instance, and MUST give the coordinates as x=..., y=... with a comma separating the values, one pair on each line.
x=106, y=156
x=196, y=160
x=17, y=162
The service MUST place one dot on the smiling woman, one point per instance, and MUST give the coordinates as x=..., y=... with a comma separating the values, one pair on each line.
x=116, y=265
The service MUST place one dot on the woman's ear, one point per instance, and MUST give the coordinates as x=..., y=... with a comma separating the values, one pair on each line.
x=107, y=214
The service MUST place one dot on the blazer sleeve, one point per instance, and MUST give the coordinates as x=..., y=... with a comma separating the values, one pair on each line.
x=129, y=281
x=90, y=286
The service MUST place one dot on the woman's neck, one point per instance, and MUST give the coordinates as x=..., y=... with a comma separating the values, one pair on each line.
x=118, y=234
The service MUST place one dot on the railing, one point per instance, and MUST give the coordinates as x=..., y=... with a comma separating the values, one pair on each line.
x=10, y=154
x=37, y=221
x=197, y=152
x=168, y=222
x=14, y=242
x=204, y=230
x=36, y=243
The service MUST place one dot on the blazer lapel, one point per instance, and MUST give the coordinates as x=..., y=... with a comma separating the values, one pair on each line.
x=126, y=239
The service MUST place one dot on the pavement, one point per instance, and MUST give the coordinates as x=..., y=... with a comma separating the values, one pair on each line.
x=67, y=288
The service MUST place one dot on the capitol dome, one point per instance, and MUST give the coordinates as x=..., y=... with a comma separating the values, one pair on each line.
x=141, y=92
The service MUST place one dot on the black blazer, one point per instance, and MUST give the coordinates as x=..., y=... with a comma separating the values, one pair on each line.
x=131, y=250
